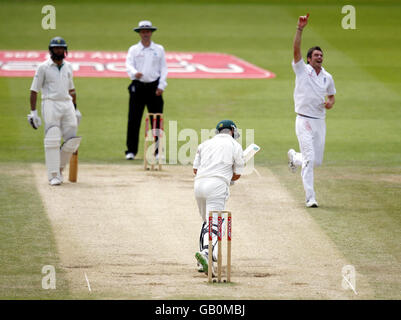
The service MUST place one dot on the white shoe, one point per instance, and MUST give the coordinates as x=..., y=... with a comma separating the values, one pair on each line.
x=55, y=181
x=130, y=156
x=291, y=166
x=157, y=157
x=311, y=203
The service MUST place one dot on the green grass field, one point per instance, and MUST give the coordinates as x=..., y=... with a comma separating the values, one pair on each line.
x=360, y=182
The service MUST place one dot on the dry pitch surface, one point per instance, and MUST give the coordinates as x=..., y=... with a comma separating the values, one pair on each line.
x=134, y=234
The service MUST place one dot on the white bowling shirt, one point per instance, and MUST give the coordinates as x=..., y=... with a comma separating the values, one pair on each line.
x=54, y=83
x=149, y=61
x=219, y=157
x=311, y=89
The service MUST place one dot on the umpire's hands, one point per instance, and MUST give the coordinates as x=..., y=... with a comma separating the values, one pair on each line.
x=159, y=92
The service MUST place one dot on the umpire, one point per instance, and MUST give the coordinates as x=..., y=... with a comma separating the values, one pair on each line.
x=147, y=68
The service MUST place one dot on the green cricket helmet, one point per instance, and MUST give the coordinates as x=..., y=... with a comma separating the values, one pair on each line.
x=228, y=124
x=58, y=42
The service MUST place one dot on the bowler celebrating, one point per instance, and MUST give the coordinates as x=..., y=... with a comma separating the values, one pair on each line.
x=314, y=93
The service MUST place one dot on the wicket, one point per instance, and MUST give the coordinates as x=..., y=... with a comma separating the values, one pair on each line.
x=157, y=144
x=219, y=245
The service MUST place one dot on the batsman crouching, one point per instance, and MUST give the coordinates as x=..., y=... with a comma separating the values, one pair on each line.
x=218, y=163
x=54, y=78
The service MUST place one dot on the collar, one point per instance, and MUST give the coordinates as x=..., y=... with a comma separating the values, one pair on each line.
x=141, y=46
x=313, y=70
x=51, y=62
x=224, y=135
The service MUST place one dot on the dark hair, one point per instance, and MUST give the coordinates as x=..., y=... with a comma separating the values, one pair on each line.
x=310, y=51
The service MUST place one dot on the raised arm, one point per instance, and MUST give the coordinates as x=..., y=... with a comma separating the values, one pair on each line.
x=302, y=22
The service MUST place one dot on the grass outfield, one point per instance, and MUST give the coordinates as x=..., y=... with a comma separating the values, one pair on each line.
x=26, y=242
x=359, y=186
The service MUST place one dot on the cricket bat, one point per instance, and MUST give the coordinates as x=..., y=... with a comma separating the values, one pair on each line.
x=250, y=152
x=73, y=174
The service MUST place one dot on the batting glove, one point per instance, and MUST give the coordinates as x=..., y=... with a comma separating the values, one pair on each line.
x=34, y=120
x=78, y=115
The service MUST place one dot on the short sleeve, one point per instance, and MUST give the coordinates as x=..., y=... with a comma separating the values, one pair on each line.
x=239, y=161
x=331, y=89
x=70, y=80
x=38, y=79
x=197, y=158
x=299, y=67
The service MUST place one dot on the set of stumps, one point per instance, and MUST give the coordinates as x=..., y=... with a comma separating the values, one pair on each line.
x=219, y=246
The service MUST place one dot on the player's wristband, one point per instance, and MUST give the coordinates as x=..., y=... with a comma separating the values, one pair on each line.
x=299, y=29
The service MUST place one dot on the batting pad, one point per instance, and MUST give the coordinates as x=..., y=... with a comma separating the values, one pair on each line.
x=67, y=149
x=52, y=152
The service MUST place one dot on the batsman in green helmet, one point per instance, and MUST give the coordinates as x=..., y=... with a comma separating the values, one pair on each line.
x=218, y=163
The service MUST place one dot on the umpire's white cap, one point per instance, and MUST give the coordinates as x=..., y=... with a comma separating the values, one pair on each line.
x=145, y=25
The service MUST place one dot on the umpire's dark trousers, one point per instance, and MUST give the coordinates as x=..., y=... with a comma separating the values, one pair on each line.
x=141, y=94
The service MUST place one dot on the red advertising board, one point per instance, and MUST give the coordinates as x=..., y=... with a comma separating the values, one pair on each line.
x=112, y=65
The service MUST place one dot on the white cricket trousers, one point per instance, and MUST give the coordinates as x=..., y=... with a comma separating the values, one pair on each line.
x=211, y=195
x=60, y=114
x=311, y=135
x=60, y=122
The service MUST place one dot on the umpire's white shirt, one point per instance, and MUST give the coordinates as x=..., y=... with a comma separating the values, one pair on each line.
x=150, y=61
x=55, y=83
x=311, y=89
x=219, y=157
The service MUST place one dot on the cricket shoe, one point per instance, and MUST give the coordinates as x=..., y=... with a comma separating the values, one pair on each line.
x=203, y=261
x=55, y=181
x=291, y=166
x=311, y=203
x=162, y=157
x=129, y=156
x=200, y=267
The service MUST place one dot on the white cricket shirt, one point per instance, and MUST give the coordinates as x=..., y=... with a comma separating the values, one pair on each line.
x=219, y=157
x=149, y=61
x=311, y=89
x=54, y=83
